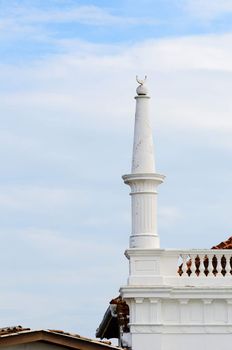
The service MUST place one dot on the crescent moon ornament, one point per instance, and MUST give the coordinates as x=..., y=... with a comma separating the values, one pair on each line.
x=140, y=81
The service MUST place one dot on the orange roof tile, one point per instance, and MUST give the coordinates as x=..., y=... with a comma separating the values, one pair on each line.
x=224, y=245
x=19, y=335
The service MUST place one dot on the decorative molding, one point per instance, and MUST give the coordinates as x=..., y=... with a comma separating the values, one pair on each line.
x=154, y=300
x=180, y=329
x=139, y=300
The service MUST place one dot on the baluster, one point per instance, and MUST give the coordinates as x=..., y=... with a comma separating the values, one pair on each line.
x=189, y=265
x=184, y=264
x=219, y=266
x=202, y=267
x=227, y=267
x=180, y=265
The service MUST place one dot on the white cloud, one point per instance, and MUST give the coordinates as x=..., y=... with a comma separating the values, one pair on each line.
x=91, y=15
x=207, y=9
x=204, y=52
x=49, y=240
x=38, y=198
x=21, y=19
x=189, y=77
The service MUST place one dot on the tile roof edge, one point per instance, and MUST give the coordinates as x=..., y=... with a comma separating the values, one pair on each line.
x=60, y=333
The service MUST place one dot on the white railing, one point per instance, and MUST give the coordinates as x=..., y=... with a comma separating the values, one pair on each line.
x=177, y=267
x=197, y=263
x=205, y=264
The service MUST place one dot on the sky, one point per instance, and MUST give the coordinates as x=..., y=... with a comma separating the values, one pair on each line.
x=67, y=73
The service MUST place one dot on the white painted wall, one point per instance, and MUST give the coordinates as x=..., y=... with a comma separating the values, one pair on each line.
x=186, y=341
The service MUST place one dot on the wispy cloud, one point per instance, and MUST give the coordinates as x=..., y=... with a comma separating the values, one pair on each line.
x=207, y=9
x=30, y=31
x=57, y=86
x=35, y=198
x=89, y=15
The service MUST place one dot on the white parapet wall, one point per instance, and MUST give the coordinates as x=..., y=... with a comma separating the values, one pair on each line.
x=179, y=298
x=197, y=267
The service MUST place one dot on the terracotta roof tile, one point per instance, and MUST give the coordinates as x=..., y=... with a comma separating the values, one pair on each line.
x=14, y=329
x=65, y=333
x=224, y=245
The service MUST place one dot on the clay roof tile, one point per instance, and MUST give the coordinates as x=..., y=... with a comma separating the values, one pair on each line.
x=224, y=245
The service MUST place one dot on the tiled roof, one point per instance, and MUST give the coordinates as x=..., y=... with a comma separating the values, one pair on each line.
x=14, y=329
x=224, y=245
x=19, y=334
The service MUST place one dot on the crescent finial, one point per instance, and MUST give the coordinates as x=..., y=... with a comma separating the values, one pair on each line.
x=140, y=81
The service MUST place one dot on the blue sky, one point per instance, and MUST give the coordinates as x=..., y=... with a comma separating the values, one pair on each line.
x=34, y=29
x=67, y=72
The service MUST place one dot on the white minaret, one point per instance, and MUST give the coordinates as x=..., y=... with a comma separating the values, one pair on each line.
x=143, y=179
x=177, y=298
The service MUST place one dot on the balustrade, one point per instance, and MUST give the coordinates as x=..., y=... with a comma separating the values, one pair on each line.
x=204, y=264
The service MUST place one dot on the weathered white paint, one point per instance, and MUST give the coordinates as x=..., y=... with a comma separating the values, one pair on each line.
x=170, y=308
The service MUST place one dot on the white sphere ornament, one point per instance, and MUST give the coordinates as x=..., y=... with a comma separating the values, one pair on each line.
x=142, y=90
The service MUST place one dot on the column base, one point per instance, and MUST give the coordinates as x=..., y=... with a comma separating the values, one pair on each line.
x=145, y=241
